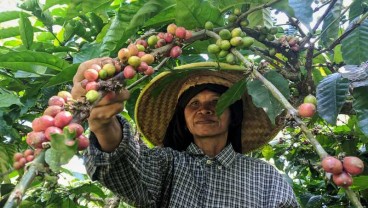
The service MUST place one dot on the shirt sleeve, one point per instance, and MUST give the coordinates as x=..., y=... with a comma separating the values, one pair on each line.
x=138, y=174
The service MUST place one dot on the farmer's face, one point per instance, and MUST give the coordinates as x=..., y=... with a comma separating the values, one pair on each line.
x=201, y=119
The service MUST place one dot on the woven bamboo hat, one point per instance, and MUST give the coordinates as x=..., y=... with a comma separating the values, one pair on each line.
x=157, y=101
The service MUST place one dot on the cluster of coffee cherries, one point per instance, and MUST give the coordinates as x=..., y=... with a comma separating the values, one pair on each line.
x=135, y=59
x=289, y=42
x=55, y=120
x=21, y=158
x=308, y=108
x=342, y=171
x=229, y=39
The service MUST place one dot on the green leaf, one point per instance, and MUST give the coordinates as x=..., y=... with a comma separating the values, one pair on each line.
x=360, y=183
x=233, y=94
x=356, y=9
x=305, y=11
x=51, y=3
x=330, y=26
x=7, y=100
x=331, y=95
x=11, y=15
x=284, y=6
x=360, y=105
x=26, y=60
x=60, y=154
x=267, y=152
x=263, y=98
x=354, y=47
x=88, y=188
x=194, y=14
x=25, y=30
x=260, y=17
x=66, y=75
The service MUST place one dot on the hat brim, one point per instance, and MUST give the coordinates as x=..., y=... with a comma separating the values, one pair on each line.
x=156, y=104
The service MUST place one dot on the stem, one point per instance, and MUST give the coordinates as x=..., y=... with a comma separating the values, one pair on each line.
x=353, y=198
x=253, y=9
x=34, y=168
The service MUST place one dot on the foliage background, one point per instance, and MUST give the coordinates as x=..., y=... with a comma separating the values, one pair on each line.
x=40, y=53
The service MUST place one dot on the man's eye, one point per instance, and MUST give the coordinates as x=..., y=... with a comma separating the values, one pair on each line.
x=194, y=104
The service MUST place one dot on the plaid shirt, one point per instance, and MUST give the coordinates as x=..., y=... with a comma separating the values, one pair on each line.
x=162, y=177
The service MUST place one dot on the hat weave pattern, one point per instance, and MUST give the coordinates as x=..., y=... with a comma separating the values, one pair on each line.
x=157, y=101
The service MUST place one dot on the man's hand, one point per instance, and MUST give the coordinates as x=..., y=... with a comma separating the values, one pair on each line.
x=102, y=120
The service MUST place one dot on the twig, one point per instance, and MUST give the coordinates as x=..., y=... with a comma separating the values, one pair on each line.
x=307, y=38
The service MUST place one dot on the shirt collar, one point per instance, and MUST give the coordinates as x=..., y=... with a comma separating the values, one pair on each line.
x=226, y=157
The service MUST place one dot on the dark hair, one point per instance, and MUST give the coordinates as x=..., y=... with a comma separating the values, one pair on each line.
x=177, y=135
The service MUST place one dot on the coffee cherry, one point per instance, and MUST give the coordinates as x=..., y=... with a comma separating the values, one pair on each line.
x=134, y=61
x=56, y=100
x=17, y=156
x=142, y=42
x=110, y=69
x=247, y=42
x=149, y=71
x=236, y=32
x=35, y=139
x=353, y=165
x=92, y=85
x=225, y=34
x=310, y=99
x=175, y=52
x=41, y=123
x=171, y=28
x=140, y=48
x=92, y=96
x=102, y=74
x=213, y=48
x=152, y=40
x=91, y=74
x=18, y=165
x=142, y=67
x=208, y=25
x=133, y=49
x=27, y=152
x=332, y=165
x=188, y=34
x=236, y=41
x=230, y=58
x=64, y=117
x=52, y=130
x=168, y=37
x=343, y=179
x=129, y=72
x=244, y=23
x=123, y=54
x=180, y=32
x=65, y=95
x=52, y=110
x=29, y=158
x=306, y=110
x=237, y=11
x=75, y=127
x=225, y=45
x=148, y=58
x=83, y=142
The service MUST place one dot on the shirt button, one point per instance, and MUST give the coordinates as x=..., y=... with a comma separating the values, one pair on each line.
x=219, y=167
x=209, y=162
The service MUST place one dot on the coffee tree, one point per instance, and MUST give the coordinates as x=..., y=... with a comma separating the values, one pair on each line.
x=310, y=72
